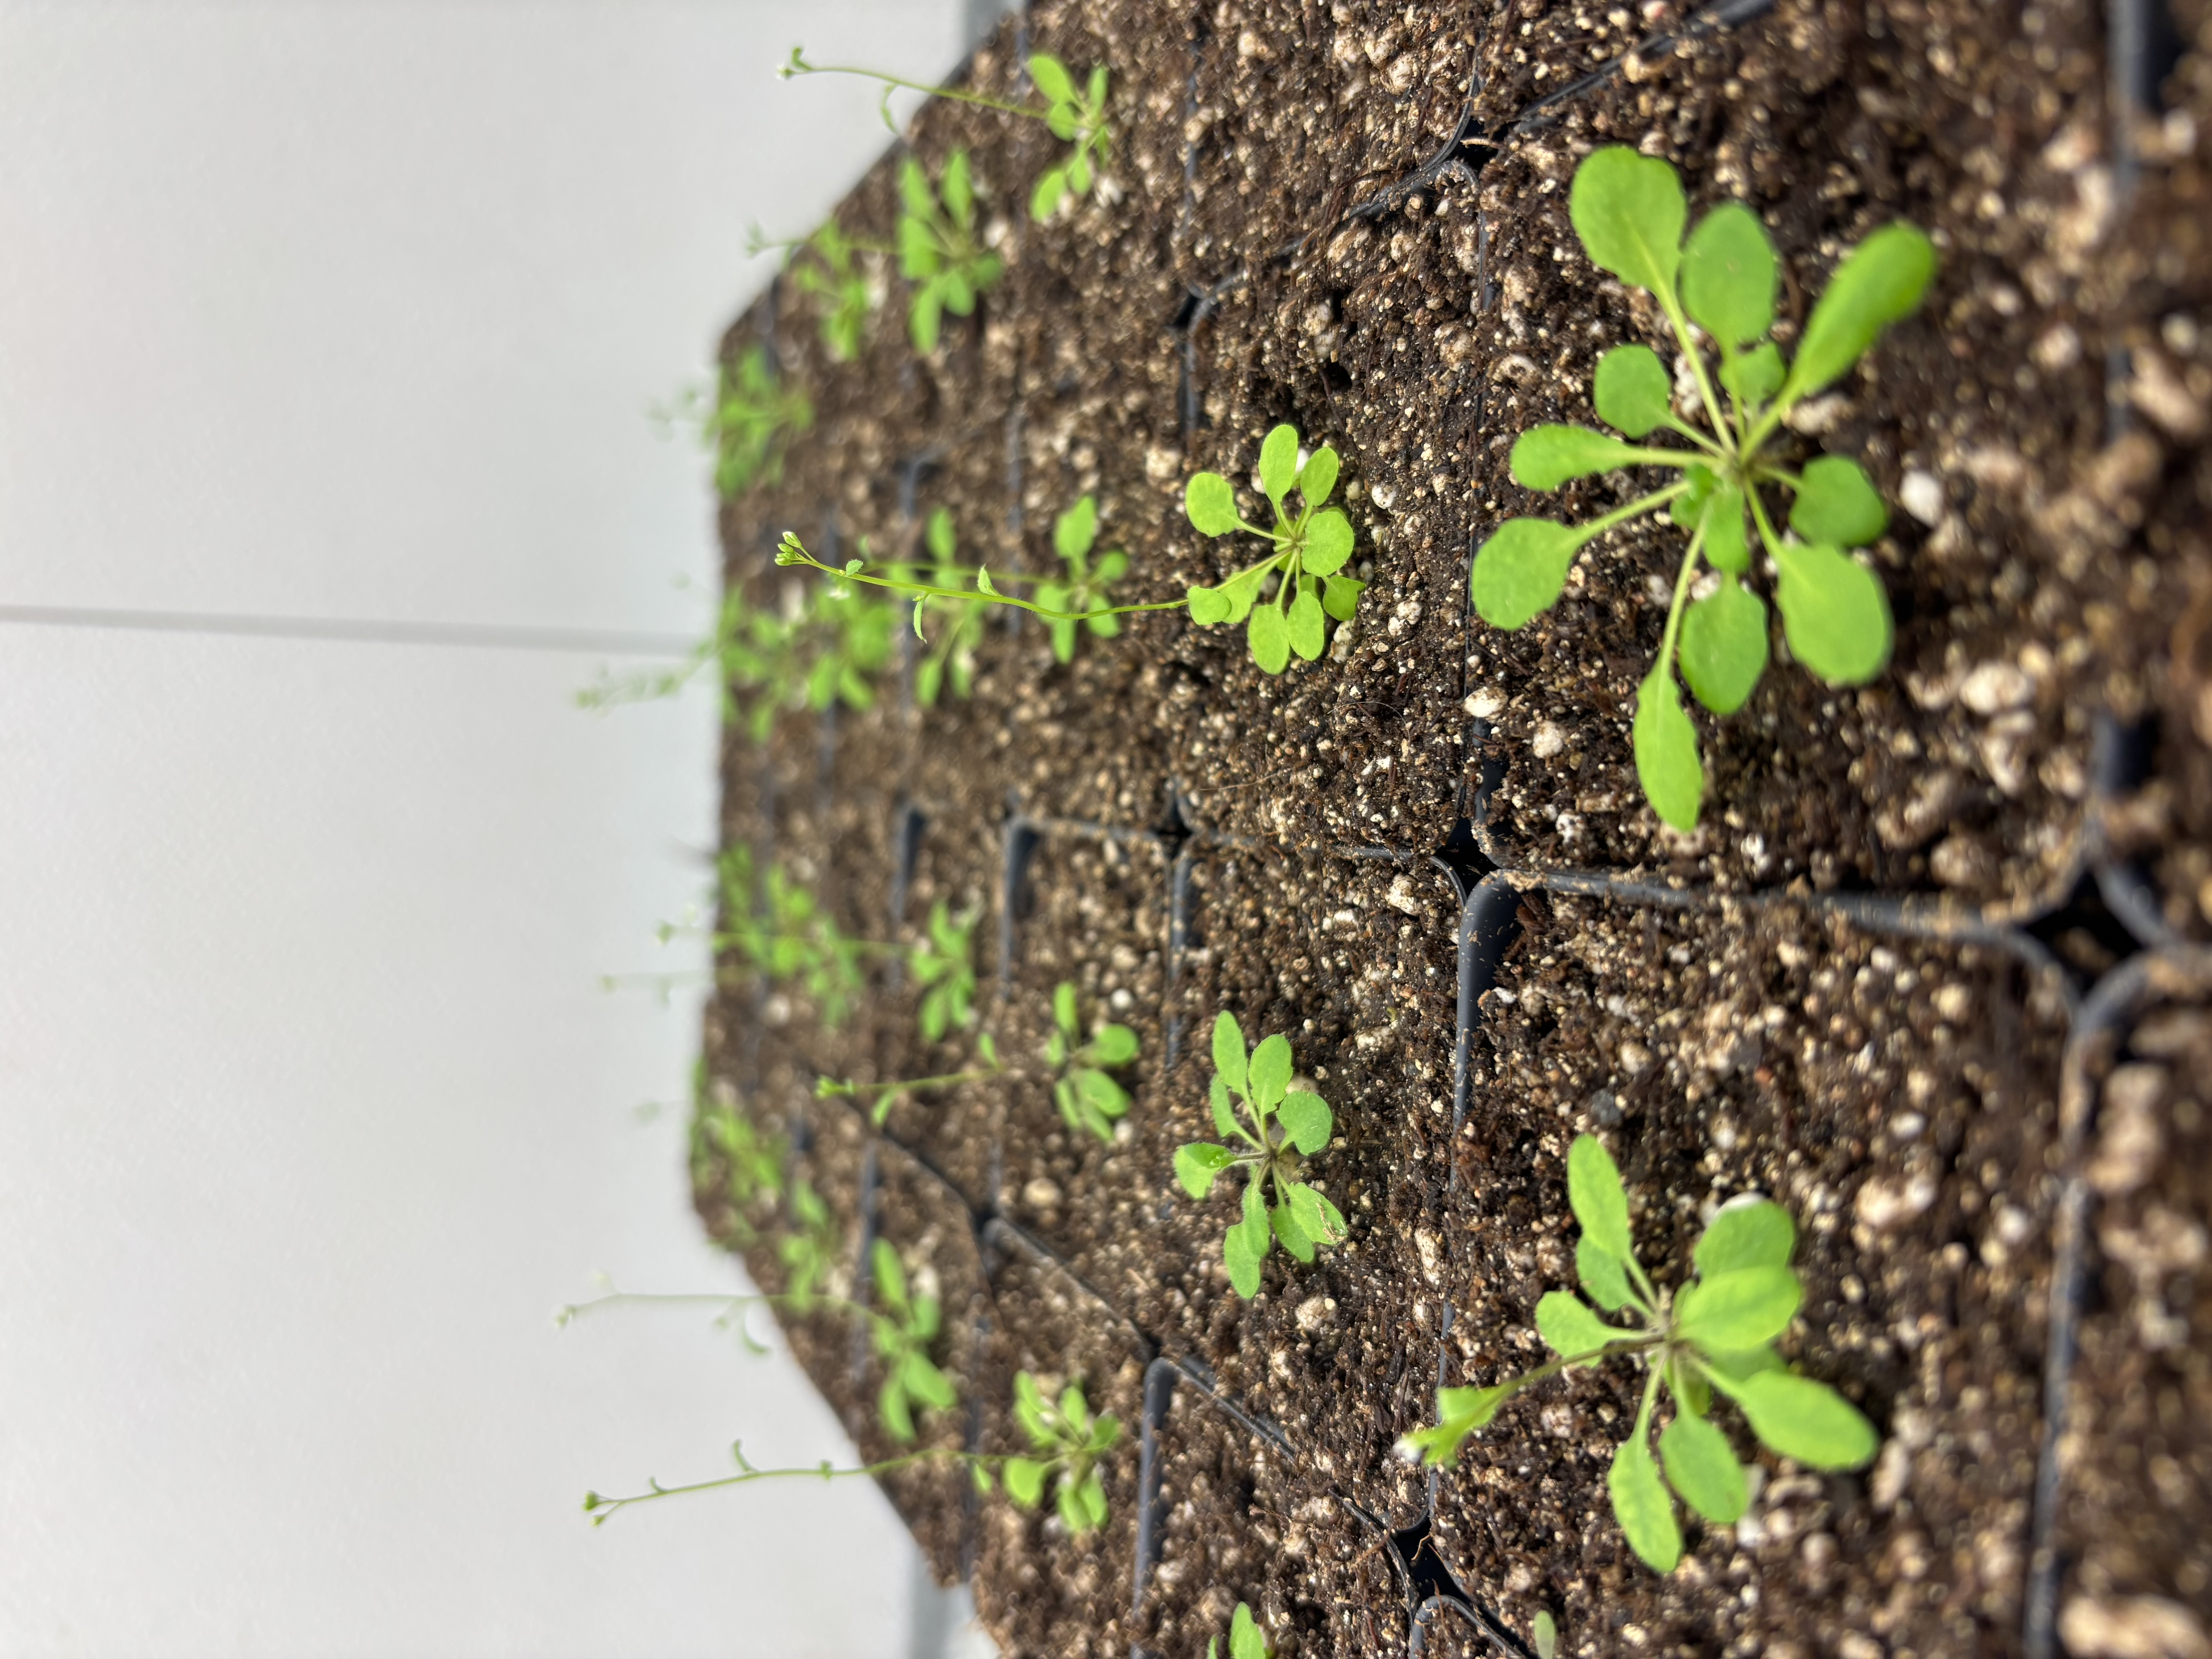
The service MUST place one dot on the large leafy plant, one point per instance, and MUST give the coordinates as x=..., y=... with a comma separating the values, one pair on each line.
x=1308, y=551
x=1270, y=1130
x=1085, y=598
x=1715, y=1335
x=1087, y=1098
x=1629, y=212
x=938, y=250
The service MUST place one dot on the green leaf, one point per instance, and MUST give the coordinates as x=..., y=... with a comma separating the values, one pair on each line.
x=1834, y=613
x=939, y=533
x=1460, y=1412
x=1565, y=1322
x=924, y=318
x=1284, y=1220
x=1738, y=1365
x=1328, y=542
x=958, y=192
x=1837, y=503
x=889, y=1276
x=1269, y=636
x=1208, y=605
x=1689, y=507
x=1229, y=1053
x=1307, y=1119
x=913, y=189
x=1640, y=1503
x=1666, y=763
x=1701, y=1466
x=1725, y=547
x=1628, y=209
x=1340, y=597
x=1754, y=375
x=1211, y=505
x=959, y=290
x=1740, y=1309
x=1724, y=646
x=1729, y=276
x=1602, y=1273
x=1279, y=463
x=1545, y=457
x=1317, y=478
x=1245, y=1641
x=1519, y=570
x=1025, y=1480
x=1758, y=1233
x=1104, y=1095
x=898, y=1415
x=1878, y=283
x=1113, y=1045
x=1244, y=1262
x=1270, y=1072
x=1075, y=530
x=1307, y=628
x=1225, y=1117
x=1804, y=1419
x=1316, y=1216
x=1052, y=78
x=1062, y=121
x=1064, y=1011
x=1599, y=1200
x=1198, y=1163
x=1090, y=1498
x=1631, y=391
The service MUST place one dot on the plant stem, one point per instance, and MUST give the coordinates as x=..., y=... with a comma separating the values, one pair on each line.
x=793, y=552
x=1675, y=315
x=799, y=65
x=1682, y=579
x=1766, y=533
x=1635, y=509
x=600, y=1508
x=799, y=1304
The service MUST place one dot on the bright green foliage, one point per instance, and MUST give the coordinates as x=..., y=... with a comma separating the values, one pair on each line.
x=751, y=1157
x=1310, y=549
x=788, y=938
x=1716, y=1335
x=1087, y=592
x=1245, y=1641
x=943, y=969
x=848, y=297
x=807, y=1249
x=750, y=422
x=1069, y=1442
x=956, y=621
x=1087, y=1098
x=1629, y=211
x=938, y=249
x=1077, y=115
x=1544, y=1634
x=903, y=1329
x=1276, y=1130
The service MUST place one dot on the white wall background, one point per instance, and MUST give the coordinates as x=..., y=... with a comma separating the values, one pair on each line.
x=311, y=1109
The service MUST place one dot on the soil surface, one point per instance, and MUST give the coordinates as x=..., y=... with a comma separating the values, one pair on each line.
x=1854, y=989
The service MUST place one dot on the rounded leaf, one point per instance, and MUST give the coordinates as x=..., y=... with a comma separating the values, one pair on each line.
x=1075, y=530
x=1545, y=457
x=1667, y=763
x=1307, y=628
x=1307, y=1119
x=1284, y=1220
x=958, y=190
x=1051, y=190
x=1269, y=636
x=1519, y=571
x=1725, y=545
x=1113, y=1045
x=1270, y=1072
x=1316, y=1216
x=1724, y=646
x=1197, y=1164
x=1230, y=1052
x=1052, y=78
x=1729, y=274
x=1880, y=282
x=1568, y=1327
x=1100, y=1093
x=1640, y=1504
x=1597, y=1198
x=1025, y=1480
x=1807, y=1420
x=1754, y=375
x=1632, y=390
x=1340, y=597
x=1628, y=209
x=1279, y=462
x=1836, y=503
x=1603, y=1274
x=1244, y=1262
x=1225, y=1117
x=1328, y=542
x=1834, y=613
x=1701, y=1466
x=1744, y=1308
x=1064, y=1011
x=1211, y=504
x=924, y=318
x=1207, y=605
x=1753, y=1233
x=1317, y=477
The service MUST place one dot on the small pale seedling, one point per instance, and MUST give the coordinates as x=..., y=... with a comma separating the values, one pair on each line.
x=1716, y=1335
x=790, y=938
x=848, y=297
x=807, y=1249
x=1087, y=592
x=880, y=1095
x=940, y=251
x=956, y=622
x=749, y=422
x=1087, y=1098
x=943, y=967
x=1310, y=549
x=1628, y=210
x=902, y=1332
x=751, y=1157
x=1245, y=1641
x=1069, y=1442
x=1278, y=1129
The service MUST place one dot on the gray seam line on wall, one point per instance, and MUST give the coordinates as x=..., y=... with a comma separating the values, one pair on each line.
x=495, y=636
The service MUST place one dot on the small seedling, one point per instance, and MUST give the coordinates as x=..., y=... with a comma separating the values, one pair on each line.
x=880, y=1095
x=1086, y=1097
x=944, y=966
x=1628, y=210
x=956, y=622
x=808, y=1248
x=749, y=422
x=938, y=250
x=902, y=1332
x=1087, y=592
x=1076, y=115
x=1544, y=1633
x=1069, y=1442
x=1279, y=1129
x=848, y=297
x=1245, y=1641
x=1716, y=1335
x=753, y=1156
x=1311, y=549
x=789, y=938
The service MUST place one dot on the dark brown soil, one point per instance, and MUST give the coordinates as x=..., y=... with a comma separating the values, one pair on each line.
x=1899, y=1091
